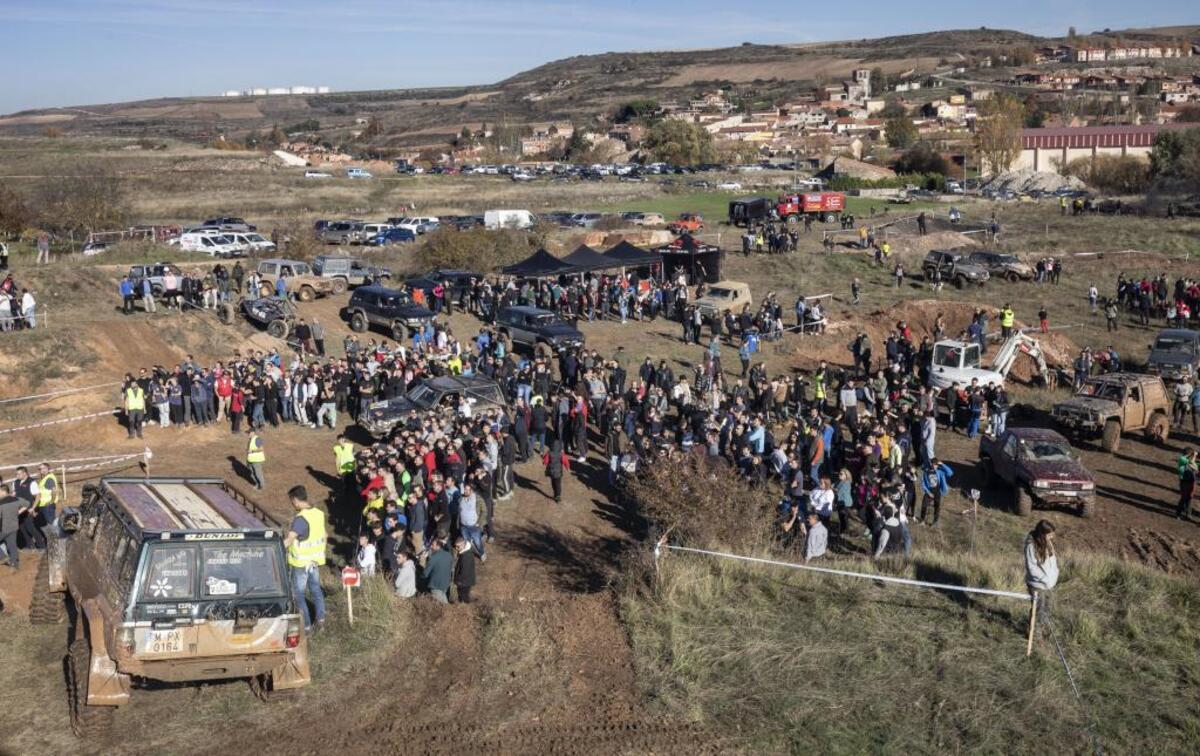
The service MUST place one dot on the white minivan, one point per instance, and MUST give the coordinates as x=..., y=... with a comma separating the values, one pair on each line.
x=508, y=219
x=213, y=245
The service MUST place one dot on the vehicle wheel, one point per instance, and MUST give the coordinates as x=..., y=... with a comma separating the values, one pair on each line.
x=306, y=294
x=400, y=332
x=927, y=274
x=1111, y=440
x=987, y=474
x=1087, y=507
x=1159, y=429
x=960, y=282
x=1022, y=501
x=278, y=328
x=46, y=608
x=157, y=291
x=358, y=322
x=265, y=290
x=225, y=313
x=340, y=285
x=1012, y=276
x=86, y=721
x=830, y=217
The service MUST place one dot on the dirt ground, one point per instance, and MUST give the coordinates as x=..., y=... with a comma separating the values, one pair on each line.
x=540, y=663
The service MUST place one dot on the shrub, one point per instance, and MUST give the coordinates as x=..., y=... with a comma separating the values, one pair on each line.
x=1115, y=174
x=477, y=249
x=15, y=215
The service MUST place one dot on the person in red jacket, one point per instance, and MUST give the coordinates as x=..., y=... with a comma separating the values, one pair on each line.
x=237, y=406
x=223, y=388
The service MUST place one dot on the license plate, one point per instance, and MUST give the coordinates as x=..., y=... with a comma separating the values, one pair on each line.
x=164, y=642
x=1066, y=493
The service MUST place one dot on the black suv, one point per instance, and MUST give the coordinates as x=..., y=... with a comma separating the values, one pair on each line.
x=440, y=395
x=461, y=283
x=392, y=309
x=541, y=330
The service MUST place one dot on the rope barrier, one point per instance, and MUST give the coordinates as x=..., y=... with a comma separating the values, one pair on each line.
x=59, y=422
x=1097, y=746
x=847, y=573
x=58, y=393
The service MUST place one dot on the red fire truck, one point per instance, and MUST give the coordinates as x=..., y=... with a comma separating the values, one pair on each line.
x=826, y=206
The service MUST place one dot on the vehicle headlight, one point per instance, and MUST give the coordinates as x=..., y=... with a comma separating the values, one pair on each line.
x=1041, y=484
x=1088, y=487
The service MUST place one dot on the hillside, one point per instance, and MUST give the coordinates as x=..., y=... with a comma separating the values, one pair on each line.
x=573, y=88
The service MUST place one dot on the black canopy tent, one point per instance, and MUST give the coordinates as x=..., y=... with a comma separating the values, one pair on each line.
x=700, y=261
x=540, y=264
x=585, y=258
x=630, y=256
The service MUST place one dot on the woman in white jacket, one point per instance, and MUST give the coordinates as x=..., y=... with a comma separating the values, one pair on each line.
x=1041, y=567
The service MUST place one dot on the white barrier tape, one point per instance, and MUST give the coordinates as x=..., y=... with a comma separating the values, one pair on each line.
x=114, y=461
x=59, y=422
x=58, y=393
x=846, y=573
x=56, y=463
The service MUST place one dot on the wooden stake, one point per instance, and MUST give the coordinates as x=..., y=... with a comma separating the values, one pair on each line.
x=1032, y=624
x=350, y=606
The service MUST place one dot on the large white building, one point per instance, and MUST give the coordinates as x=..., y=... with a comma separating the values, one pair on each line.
x=262, y=91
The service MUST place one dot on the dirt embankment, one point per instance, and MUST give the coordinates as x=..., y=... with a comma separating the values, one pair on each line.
x=920, y=316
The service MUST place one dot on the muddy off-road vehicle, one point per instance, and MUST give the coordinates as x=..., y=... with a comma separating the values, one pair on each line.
x=1115, y=403
x=1038, y=465
x=168, y=580
x=1175, y=355
x=301, y=280
x=277, y=316
x=954, y=268
x=347, y=272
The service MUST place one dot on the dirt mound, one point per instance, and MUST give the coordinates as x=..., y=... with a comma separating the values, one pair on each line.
x=602, y=240
x=920, y=315
x=1166, y=552
x=1030, y=181
x=915, y=245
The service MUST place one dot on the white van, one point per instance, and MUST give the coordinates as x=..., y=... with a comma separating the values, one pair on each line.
x=213, y=245
x=508, y=219
x=358, y=173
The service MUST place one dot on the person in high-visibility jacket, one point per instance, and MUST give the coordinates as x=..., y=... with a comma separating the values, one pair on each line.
x=343, y=457
x=819, y=386
x=1006, y=321
x=46, y=503
x=305, y=544
x=135, y=406
x=255, y=457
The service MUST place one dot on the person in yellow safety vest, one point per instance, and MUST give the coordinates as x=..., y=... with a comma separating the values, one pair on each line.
x=374, y=501
x=135, y=406
x=48, y=497
x=886, y=249
x=454, y=365
x=305, y=544
x=819, y=385
x=1006, y=321
x=343, y=457
x=255, y=457
x=1062, y=205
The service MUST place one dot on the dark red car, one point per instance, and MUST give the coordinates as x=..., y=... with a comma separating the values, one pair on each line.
x=1040, y=466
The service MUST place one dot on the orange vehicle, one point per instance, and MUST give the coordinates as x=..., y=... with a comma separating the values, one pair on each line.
x=687, y=223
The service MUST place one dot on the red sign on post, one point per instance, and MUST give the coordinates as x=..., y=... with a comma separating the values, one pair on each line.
x=350, y=577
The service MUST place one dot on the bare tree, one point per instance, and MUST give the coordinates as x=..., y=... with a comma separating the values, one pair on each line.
x=90, y=198
x=998, y=133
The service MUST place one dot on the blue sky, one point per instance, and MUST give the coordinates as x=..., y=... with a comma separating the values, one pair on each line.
x=76, y=52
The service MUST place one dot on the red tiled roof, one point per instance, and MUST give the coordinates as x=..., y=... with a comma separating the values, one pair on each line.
x=1092, y=136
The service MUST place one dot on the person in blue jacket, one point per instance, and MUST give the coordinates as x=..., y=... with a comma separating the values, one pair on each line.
x=935, y=483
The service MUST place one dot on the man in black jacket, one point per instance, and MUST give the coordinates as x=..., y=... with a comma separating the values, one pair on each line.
x=464, y=570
